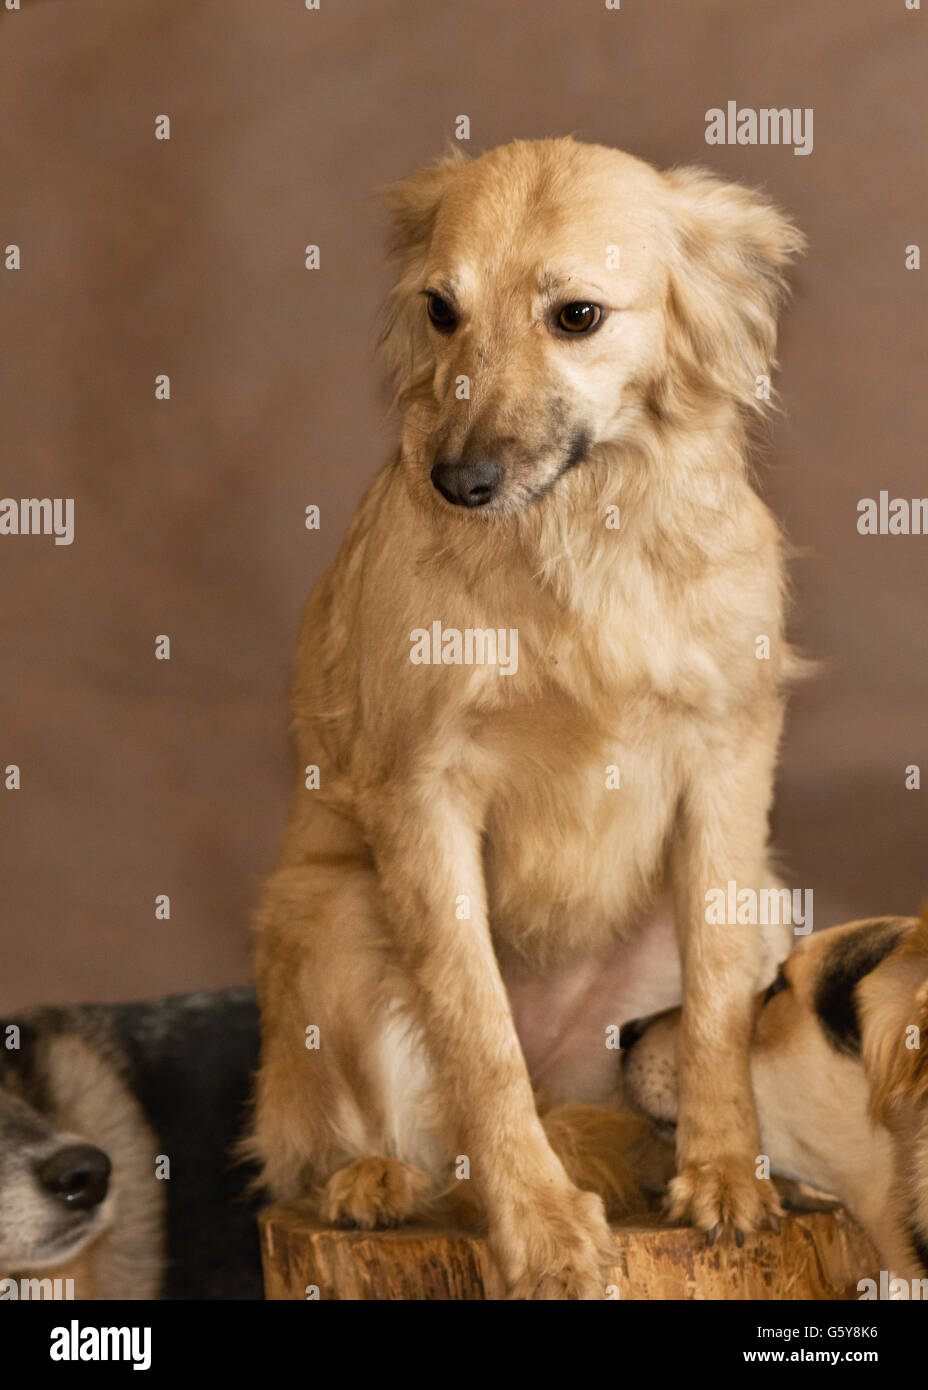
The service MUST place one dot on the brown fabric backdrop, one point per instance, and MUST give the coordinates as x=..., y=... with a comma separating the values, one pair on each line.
x=186, y=257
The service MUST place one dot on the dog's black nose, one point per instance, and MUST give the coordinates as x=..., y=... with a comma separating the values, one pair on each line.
x=79, y=1176
x=467, y=484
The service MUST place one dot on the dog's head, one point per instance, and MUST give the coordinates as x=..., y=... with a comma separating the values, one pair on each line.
x=53, y=1183
x=839, y=1073
x=556, y=297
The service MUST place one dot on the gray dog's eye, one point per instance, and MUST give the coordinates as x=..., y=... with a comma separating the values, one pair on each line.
x=579, y=317
x=441, y=313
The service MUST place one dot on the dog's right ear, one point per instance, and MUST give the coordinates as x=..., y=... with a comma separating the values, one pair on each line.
x=894, y=1006
x=413, y=203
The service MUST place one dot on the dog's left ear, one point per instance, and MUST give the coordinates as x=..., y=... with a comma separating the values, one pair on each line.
x=731, y=246
x=413, y=203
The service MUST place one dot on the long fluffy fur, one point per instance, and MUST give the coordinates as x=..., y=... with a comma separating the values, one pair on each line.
x=435, y=786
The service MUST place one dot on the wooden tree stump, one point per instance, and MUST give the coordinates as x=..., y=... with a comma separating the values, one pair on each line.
x=818, y=1255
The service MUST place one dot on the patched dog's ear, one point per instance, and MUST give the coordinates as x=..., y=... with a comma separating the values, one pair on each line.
x=413, y=203
x=730, y=249
x=894, y=1010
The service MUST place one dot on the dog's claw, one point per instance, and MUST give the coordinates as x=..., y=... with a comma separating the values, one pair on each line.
x=774, y=1223
x=722, y=1195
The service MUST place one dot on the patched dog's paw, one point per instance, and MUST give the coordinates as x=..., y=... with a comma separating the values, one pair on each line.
x=723, y=1194
x=557, y=1247
x=375, y=1192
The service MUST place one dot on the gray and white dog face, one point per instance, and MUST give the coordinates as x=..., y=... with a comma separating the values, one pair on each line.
x=95, y=1101
x=54, y=1187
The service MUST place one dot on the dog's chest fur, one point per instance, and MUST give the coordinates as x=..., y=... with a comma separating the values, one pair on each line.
x=635, y=657
x=587, y=760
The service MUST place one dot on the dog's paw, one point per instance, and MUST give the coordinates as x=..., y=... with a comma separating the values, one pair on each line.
x=723, y=1194
x=375, y=1192
x=555, y=1247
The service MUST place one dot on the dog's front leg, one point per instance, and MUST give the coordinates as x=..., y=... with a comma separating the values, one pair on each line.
x=721, y=841
x=550, y=1239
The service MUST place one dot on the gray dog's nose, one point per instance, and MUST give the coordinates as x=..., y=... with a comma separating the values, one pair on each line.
x=467, y=484
x=78, y=1176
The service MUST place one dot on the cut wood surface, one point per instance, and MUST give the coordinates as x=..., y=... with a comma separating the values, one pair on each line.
x=817, y=1255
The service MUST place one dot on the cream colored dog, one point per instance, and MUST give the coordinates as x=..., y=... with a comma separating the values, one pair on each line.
x=840, y=1077
x=542, y=685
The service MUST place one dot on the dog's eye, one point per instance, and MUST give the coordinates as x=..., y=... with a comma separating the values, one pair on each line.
x=780, y=983
x=441, y=313
x=579, y=317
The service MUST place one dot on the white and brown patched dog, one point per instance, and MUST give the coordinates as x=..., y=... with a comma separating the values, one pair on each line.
x=839, y=1062
x=580, y=344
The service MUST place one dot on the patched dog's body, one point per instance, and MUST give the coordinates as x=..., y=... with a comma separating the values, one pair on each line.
x=145, y=1102
x=593, y=498
x=839, y=1079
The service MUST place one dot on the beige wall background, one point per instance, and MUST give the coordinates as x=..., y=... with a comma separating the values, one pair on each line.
x=185, y=257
